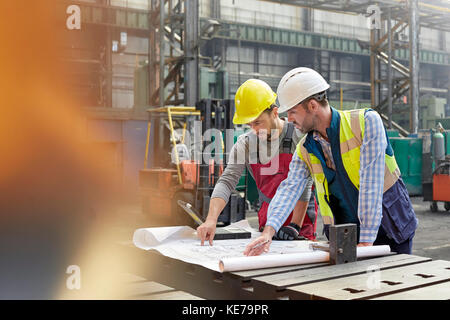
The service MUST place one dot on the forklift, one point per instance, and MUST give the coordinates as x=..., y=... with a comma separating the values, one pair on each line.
x=174, y=177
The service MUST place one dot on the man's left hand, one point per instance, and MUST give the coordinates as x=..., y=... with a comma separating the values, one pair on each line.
x=365, y=244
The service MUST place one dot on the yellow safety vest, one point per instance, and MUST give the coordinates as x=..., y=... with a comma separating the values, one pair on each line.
x=351, y=134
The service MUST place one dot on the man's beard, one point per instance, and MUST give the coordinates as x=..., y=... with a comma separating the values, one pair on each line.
x=306, y=129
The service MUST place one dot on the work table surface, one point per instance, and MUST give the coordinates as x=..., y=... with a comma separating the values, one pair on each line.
x=397, y=276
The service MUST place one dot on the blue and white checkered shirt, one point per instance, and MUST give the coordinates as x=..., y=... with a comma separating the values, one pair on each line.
x=371, y=180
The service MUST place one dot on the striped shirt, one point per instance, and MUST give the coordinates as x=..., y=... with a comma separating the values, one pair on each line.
x=371, y=180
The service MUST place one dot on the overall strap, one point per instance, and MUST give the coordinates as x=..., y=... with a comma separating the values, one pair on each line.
x=287, y=141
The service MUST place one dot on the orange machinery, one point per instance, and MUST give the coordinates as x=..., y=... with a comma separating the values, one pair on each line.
x=441, y=186
x=161, y=188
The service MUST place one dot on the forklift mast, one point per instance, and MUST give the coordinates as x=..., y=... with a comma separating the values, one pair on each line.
x=217, y=114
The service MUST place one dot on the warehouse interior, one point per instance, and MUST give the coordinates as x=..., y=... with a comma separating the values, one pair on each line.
x=221, y=44
x=138, y=74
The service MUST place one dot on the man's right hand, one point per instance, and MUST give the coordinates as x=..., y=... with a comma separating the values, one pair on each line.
x=206, y=231
x=260, y=244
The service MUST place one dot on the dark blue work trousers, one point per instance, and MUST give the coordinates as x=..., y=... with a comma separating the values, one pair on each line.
x=404, y=247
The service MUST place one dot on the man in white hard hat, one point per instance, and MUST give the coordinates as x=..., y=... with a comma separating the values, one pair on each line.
x=349, y=157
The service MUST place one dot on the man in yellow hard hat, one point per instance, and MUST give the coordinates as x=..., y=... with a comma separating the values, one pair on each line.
x=266, y=152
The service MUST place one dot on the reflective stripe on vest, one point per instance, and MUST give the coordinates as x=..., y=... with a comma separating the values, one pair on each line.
x=351, y=136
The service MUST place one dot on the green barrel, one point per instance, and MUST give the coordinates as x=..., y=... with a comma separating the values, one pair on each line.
x=252, y=191
x=447, y=142
x=241, y=184
x=392, y=133
x=408, y=154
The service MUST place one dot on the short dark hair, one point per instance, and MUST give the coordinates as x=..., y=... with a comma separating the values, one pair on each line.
x=322, y=103
x=269, y=109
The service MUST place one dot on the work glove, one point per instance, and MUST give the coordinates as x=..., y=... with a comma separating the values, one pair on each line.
x=289, y=232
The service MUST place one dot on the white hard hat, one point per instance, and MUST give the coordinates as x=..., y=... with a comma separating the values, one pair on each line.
x=297, y=85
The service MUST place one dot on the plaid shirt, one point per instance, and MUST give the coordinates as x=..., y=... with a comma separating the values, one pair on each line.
x=371, y=174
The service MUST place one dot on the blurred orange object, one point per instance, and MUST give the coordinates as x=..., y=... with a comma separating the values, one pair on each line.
x=190, y=176
x=441, y=187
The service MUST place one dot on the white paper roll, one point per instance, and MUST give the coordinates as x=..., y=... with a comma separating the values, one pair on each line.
x=278, y=260
x=372, y=251
x=272, y=260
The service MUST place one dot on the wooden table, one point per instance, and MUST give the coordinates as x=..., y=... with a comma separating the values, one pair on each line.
x=390, y=277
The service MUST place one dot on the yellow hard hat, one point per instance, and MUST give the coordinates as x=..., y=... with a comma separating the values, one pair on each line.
x=252, y=98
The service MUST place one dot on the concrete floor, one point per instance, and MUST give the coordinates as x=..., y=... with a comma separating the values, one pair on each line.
x=432, y=238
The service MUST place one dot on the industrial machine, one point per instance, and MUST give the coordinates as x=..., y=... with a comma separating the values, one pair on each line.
x=441, y=186
x=436, y=169
x=161, y=185
x=188, y=177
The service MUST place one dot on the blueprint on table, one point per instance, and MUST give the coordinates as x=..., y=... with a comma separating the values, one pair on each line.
x=182, y=243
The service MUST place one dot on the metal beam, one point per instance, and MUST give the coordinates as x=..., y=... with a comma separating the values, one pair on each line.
x=441, y=10
x=174, y=34
x=191, y=52
x=161, y=53
x=414, y=64
x=389, y=71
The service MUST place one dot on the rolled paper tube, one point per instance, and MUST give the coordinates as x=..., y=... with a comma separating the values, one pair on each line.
x=372, y=251
x=278, y=260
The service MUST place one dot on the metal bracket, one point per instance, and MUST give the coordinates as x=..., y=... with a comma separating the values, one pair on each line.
x=342, y=243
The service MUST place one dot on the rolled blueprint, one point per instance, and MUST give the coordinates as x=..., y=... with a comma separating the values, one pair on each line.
x=278, y=260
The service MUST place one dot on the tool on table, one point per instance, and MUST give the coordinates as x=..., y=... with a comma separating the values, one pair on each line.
x=221, y=233
x=260, y=244
x=342, y=244
x=191, y=211
x=231, y=233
